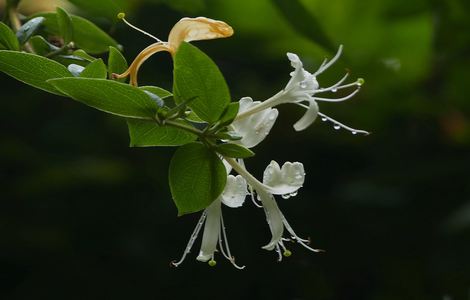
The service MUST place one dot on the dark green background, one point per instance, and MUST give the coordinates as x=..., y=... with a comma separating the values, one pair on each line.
x=82, y=216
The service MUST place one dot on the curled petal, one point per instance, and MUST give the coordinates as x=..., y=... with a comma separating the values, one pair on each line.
x=196, y=29
x=211, y=233
x=141, y=58
x=257, y=126
x=309, y=117
x=235, y=191
x=301, y=80
x=285, y=180
x=273, y=217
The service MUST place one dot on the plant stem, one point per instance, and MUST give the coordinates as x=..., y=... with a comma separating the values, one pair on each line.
x=14, y=20
x=16, y=24
x=58, y=51
x=190, y=129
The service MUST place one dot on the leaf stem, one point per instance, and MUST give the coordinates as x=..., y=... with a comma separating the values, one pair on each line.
x=190, y=129
x=58, y=51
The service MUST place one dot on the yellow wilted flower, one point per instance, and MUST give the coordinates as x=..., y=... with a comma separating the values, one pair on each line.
x=186, y=29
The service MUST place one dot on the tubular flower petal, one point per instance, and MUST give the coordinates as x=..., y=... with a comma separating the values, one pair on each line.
x=210, y=237
x=256, y=127
x=186, y=29
x=197, y=29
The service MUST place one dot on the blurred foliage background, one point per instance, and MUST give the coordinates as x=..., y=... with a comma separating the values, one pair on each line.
x=82, y=216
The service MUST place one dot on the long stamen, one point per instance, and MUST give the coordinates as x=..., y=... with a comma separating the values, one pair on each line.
x=296, y=238
x=229, y=255
x=122, y=16
x=324, y=67
x=191, y=240
x=278, y=250
x=338, y=99
x=336, y=86
x=338, y=125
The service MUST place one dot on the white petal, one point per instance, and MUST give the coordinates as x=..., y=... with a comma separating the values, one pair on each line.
x=256, y=127
x=211, y=233
x=308, y=118
x=273, y=217
x=235, y=191
x=285, y=180
x=228, y=167
x=302, y=81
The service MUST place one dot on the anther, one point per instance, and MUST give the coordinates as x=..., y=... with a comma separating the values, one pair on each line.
x=287, y=253
x=212, y=263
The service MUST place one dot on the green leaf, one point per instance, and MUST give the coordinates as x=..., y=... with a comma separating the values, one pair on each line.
x=8, y=38
x=162, y=93
x=149, y=133
x=197, y=177
x=29, y=29
x=65, y=25
x=70, y=59
x=41, y=46
x=32, y=69
x=117, y=63
x=234, y=150
x=84, y=55
x=196, y=75
x=229, y=114
x=96, y=69
x=297, y=15
x=108, y=96
x=86, y=35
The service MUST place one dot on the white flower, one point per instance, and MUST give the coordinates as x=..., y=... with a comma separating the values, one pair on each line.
x=255, y=127
x=214, y=233
x=302, y=89
x=285, y=181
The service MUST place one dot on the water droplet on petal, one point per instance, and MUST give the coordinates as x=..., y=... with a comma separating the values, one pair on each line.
x=336, y=127
x=354, y=132
x=303, y=84
x=334, y=90
x=294, y=194
x=324, y=119
x=286, y=196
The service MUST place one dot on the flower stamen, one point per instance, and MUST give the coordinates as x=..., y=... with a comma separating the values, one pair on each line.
x=192, y=239
x=122, y=16
x=324, y=66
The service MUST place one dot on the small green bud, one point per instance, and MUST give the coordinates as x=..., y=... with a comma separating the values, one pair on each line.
x=212, y=263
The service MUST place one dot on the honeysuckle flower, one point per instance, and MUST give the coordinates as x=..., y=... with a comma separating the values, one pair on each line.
x=285, y=181
x=187, y=30
x=302, y=89
x=255, y=127
x=214, y=233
